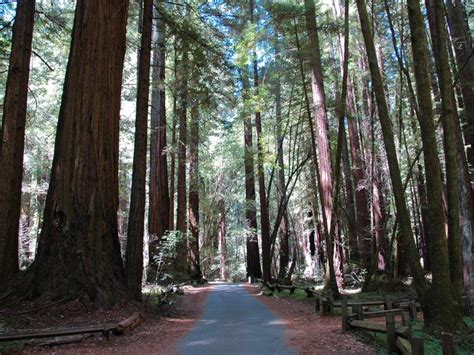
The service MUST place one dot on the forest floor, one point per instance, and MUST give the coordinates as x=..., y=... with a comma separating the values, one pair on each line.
x=309, y=332
x=163, y=328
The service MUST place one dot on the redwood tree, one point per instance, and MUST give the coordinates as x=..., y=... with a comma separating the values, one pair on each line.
x=136, y=220
x=193, y=214
x=159, y=205
x=78, y=250
x=12, y=138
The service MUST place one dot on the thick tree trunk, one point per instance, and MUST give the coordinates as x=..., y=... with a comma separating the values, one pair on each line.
x=406, y=235
x=264, y=213
x=79, y=251
x=322, y=137
x=440, y=310
x=253, y=253
x=136, y=224
x=12, y=138
x=159, y=209
x=193, y=215
x=436, y=13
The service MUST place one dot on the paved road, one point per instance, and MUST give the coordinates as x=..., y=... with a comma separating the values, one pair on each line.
x=234, y=322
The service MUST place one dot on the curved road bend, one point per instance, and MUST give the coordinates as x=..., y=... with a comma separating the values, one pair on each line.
x=234, y=322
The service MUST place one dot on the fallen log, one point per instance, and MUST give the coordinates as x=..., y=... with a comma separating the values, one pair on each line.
x=61, y=340
x=50, y=333
x=128, y=324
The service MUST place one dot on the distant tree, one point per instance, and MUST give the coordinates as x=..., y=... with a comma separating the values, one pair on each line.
x=12, y=138
x=78, y=250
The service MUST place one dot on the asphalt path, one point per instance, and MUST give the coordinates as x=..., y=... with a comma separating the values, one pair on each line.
x=234, y=322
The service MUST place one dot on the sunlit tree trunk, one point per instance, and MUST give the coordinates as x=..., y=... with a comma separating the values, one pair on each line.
x=322, y=137
x=12, y=138
x=79, y=252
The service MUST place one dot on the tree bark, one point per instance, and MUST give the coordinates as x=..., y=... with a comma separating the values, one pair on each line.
x=463, y=49
x=253, y=253
x=221, y=238
x=406, y=234
x=325, y=174
x=159, y=204
x=284, y=227
x=12, y=138
x=193, y=215
x=136, y=224
x=264, y=213
x=182, y=266
x=79, y=251
x=441, y=310
x=436, y=12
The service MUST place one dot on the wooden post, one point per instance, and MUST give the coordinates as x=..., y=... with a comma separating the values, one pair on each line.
x=448, y=344
x=406, y=321
x=412, y=310
x=344, y=311
x=359, y=310
x=417, y=346
x=330, y=304
x=388, y=302
x=391, y=337
x=318, y=305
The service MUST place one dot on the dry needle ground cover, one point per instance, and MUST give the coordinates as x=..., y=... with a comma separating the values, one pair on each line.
x=158, y=333
x=309, y=332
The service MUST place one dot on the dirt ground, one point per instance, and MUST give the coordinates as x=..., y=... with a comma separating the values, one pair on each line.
x=311, y=333
x=162, y=329
x=157, y=334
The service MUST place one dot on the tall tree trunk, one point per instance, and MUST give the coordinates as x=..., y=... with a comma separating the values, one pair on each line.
x=221, y=239
x=463, y=49
x=360, y=182
x=12, y=138
x=264, y=213
x=441, y=310
x=181, y=210
x=193, y=215
x=159, y=212
x=172, y=177
x=253, y=253
x=136, y=224
x=79, y=251
x=406, y=234
x=322, y=137
x=436, y=12
x=284, y=223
